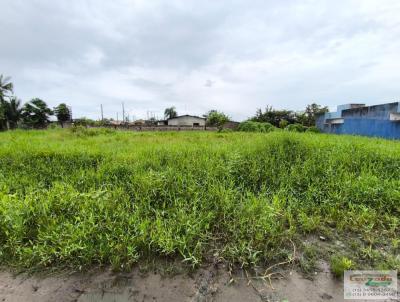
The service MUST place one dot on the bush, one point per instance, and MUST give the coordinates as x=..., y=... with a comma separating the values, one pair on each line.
x=283, y=124
x=85, y=122
x=250, y=126
x=295, y=128
x=313, y=130
x=53, y=126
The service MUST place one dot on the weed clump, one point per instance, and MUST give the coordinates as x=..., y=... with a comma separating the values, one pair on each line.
x=82, y=131
x=313, y=129
x=340, y=264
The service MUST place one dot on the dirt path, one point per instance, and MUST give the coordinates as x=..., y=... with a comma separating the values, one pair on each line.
x=206, y=284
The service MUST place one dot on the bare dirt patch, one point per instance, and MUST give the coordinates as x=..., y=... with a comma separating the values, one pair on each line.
x=211, y=283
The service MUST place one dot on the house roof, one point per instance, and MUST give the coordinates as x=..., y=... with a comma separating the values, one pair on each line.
x=115, y=122
x=372, y=106
x=186, y=115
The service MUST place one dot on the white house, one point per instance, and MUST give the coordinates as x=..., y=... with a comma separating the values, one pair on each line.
x=187, y=120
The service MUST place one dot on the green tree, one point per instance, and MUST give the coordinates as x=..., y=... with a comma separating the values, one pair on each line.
x=62, y=113
x=3, y=119
x=13, y=112
x=10, y=113
x=216, y=118
x=311, y=113
x=273, y=116
x=35, y=114
x=170, y=113
x=5, y=87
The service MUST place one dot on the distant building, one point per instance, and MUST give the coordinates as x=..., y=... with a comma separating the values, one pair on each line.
x=231, y=125
x=162, y=123
x=115, y=123
x=378, y=120
x=187, y=120
x=139, y=122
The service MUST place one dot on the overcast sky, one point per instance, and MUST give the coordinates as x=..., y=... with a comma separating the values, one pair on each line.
x=234, y=56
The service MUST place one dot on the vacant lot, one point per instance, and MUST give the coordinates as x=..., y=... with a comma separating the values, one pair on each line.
x=75, y=199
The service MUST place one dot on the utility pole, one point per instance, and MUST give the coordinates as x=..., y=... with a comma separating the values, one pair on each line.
x=117, y=116
x=123, y=113
x=70, y=113
x=102, y=117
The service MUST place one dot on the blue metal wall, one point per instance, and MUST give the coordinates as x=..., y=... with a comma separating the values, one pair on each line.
x=319, y=123
x=368, y=121
x=367, y=127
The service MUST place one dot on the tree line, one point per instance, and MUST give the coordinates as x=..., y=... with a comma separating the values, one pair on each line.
x=33, y=114
x=277, y=118
x=283, y=118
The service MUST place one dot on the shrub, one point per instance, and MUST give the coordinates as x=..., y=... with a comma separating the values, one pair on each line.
x=83, y=121
x=313, y=130
x=296, y=128
x=283, y=124
x=53, y=126
x=250, y=126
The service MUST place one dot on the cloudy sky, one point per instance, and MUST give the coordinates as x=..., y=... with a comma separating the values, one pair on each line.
x=233, y=55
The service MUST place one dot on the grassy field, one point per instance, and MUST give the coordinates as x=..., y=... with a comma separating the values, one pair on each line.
x=98, y=197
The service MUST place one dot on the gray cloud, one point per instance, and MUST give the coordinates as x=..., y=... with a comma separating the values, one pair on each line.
x=154, y=54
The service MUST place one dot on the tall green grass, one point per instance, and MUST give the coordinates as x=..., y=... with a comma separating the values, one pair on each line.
x=82, y=198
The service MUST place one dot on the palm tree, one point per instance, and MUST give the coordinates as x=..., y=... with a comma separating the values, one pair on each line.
x=36, y=113
x=13, y=112
x=3, y=119
x=5, y=86
x=170, y=113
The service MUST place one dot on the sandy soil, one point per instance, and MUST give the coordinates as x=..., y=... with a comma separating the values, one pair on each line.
x=213, y=283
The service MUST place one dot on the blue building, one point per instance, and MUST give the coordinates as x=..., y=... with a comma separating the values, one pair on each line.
x=378, y=120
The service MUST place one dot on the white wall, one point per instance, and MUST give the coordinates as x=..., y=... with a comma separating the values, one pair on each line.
x=186, y=121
